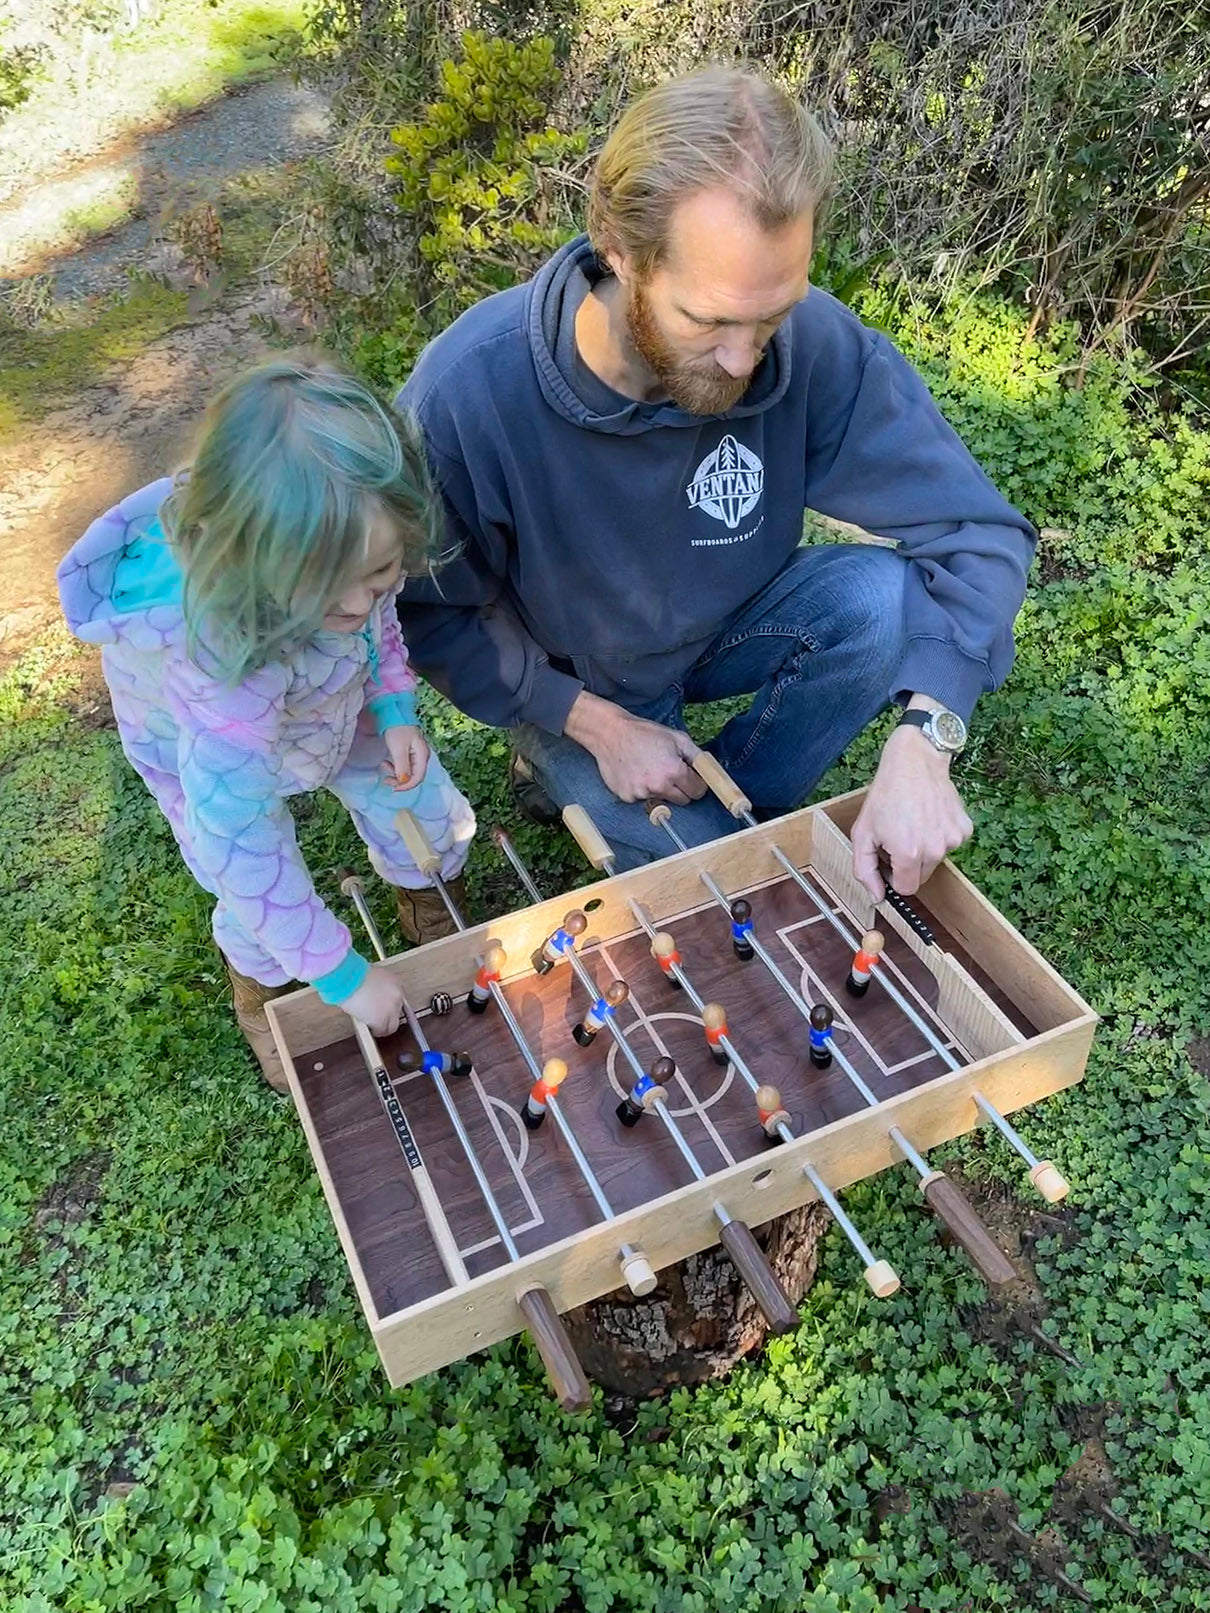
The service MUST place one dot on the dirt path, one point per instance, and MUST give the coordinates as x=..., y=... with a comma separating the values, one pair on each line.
x=273, y=122
x=135, y=421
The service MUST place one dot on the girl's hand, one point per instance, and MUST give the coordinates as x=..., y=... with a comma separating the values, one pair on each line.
x=409, y=753
x=378, y=1001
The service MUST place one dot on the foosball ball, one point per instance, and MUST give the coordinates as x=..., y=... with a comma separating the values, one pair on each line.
x=597, y=1086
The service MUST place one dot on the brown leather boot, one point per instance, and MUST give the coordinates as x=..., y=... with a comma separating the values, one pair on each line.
x=423, y=916
x=249, y=998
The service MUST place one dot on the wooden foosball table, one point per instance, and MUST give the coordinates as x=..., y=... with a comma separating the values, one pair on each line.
x=599, y=1085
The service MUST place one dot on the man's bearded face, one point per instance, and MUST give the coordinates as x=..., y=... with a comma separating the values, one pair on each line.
x=699, y=385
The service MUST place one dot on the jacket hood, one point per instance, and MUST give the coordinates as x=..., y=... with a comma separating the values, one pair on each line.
x=121, y=582
x=550, y=306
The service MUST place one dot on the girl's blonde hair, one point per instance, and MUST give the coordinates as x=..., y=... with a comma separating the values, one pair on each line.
x=718, y=127
x=270, y=522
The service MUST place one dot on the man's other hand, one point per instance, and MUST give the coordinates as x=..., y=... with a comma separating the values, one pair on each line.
x=912, y=814
x=639, y=760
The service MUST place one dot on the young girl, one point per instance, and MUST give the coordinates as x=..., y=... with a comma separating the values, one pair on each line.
x=249, y=639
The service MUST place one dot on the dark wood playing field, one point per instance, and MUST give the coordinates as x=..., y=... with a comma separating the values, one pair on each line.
x=533, y=1175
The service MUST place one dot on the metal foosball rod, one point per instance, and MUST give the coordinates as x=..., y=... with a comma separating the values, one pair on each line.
x=648, y=1094
x=635, y=1267
x=502, y=840
x=1043, y=1174
x=942, y=1197
x=542, y=1320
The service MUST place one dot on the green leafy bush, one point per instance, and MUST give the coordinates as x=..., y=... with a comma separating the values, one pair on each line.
x=475, y=172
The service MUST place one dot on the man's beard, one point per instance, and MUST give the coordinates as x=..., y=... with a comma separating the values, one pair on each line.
x=699, y=386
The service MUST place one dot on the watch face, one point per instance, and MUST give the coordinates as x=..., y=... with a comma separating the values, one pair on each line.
x=949, y=729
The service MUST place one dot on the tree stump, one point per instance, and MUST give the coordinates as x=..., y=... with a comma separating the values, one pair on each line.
x=701, y=1319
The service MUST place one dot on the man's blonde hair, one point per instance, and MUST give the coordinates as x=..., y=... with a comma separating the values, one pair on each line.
x=718, y=127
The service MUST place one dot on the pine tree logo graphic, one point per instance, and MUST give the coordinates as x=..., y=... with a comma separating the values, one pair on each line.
x=728, y=483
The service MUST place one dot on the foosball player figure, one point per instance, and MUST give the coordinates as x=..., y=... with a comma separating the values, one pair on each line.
x=770, y=1111
x=555, y=948
x=487, y=976
x=533, y=1110
x=865, y=961
x=821, y=1036
x=614, y=995
x=741, y=930
x=714, y=1022
x=647, y=1090
x=663, y=950
x=434, y=1063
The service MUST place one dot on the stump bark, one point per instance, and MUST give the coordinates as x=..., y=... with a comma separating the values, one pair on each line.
x=701, y=1319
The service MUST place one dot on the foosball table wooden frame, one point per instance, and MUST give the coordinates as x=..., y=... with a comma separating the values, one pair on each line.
x=1023, y=1032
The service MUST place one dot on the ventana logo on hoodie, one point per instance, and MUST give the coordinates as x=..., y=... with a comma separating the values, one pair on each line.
x=728, y=483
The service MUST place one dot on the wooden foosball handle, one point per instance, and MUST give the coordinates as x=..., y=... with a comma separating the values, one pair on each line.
x=587, y=836
x=882, y=1278
x=418, y=843
x=949, y=1206
x=1052, y=1185
x=749, y=1260
x=720, y=781
x=560, y=1360
x=640, y=1278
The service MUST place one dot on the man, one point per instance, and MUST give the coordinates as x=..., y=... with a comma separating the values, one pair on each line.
x=626, y=447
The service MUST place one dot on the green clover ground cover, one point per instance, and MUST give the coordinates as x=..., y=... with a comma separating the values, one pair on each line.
x=193, y=1417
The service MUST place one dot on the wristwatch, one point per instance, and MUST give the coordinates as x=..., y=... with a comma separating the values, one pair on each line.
x=943, y=729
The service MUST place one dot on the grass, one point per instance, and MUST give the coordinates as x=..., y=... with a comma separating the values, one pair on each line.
x=193, y=1417
x=47, y=366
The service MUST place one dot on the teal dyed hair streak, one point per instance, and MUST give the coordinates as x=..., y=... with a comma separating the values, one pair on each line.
x=294, y=460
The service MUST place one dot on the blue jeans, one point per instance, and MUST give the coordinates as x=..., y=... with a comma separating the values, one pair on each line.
x=818, y=647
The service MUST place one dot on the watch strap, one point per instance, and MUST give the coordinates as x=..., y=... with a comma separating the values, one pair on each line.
x=914, y=719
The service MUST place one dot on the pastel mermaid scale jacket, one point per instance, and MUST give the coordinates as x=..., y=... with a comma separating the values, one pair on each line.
x=221, y=760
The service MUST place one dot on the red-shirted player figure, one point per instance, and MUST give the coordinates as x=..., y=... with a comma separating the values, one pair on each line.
x=865, y=961
x=488, y=975
x=714, y=1020
x=533, y=1110
x=663, y=950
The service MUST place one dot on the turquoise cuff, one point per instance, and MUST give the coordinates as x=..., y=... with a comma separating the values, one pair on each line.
x=341, y=982
x=393, y=711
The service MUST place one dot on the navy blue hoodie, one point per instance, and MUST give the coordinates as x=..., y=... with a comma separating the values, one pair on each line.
x=605, y=542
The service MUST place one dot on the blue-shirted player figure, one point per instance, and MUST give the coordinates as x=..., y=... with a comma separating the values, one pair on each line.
x=606, y=1005
x=626, y=446
x=741, y=930
x=556, y=947
x=648, y=1090
x=821, y=1036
